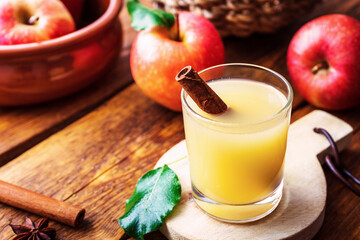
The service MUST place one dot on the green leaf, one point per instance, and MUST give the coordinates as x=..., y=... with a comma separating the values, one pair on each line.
x=143, y=17
x=156, y=193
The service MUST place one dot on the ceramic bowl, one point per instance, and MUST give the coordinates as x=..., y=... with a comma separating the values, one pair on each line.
x=37, y=72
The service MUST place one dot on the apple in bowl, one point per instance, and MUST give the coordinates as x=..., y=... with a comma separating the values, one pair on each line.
x=323, y=62
x=41, y=71
x=24, y=21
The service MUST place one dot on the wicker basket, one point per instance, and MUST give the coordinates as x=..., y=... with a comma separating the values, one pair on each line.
x=242, y=17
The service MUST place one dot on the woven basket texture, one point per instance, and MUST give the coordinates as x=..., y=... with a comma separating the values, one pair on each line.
x=242, y=17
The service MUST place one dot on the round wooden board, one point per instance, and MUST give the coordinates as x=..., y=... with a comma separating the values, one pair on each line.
x=301, y=211
x=298, y=216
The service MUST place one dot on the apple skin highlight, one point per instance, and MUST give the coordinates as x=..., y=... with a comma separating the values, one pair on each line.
x=156, y=57
x=333, y=43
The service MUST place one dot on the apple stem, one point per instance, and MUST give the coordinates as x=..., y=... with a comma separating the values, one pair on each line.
x=33, y=20
x=323, y=65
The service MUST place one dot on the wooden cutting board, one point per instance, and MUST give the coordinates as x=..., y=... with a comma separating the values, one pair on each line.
x=301, y=211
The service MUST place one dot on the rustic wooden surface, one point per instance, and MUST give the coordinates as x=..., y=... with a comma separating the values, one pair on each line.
x=23, y=127
x=89, y=149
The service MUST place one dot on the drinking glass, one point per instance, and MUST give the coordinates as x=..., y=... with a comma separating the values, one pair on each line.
x=236, y=164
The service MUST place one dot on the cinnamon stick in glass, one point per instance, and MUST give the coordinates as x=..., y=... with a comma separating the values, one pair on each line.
x=200, y=92
x=40, y=204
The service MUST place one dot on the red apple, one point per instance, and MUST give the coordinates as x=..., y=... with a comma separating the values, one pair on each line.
x=74, y=7
x=324, y=62
x=23, y=21
x=157, y=56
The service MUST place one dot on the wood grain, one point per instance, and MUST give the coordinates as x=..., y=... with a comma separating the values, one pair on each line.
x=342, y=213
x=98, y=158
x=23, y=127
x=343, y=206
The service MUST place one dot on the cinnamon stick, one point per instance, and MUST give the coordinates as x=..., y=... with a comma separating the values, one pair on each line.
x=200, y=92
x=41, y=205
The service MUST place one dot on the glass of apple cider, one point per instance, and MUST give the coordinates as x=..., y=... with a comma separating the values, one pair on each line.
x=237, y=157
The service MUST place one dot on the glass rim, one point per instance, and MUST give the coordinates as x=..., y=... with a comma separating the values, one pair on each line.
x=263, y=121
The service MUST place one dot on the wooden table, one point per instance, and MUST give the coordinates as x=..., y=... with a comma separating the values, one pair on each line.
x=89, y=149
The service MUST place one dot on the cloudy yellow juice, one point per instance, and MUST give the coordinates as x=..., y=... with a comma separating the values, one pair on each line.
x=236, y=158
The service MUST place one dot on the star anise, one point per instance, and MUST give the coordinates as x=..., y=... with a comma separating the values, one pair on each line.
x=30, y=231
